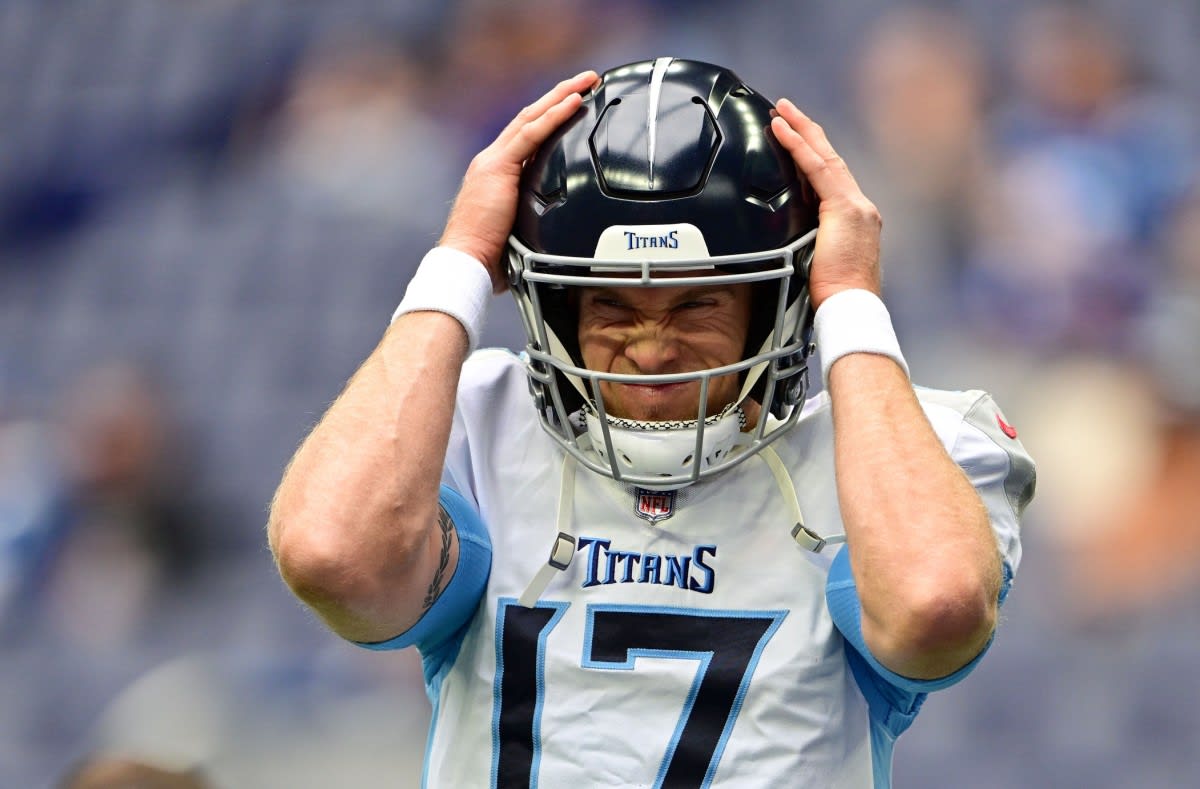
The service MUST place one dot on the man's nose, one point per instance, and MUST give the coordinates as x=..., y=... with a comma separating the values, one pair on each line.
x=653, y=349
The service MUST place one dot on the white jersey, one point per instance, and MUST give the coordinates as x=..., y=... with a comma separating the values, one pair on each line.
x=689, y=643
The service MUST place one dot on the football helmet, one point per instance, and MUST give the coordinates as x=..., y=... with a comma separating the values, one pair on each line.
x=667, y=175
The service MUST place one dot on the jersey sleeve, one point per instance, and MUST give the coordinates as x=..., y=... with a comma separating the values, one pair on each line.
x=1003, y=473
x=985, y=446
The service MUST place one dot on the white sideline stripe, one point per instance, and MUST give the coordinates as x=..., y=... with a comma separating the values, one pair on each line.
x=656, y=80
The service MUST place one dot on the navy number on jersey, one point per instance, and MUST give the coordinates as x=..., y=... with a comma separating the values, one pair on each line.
x=724, y=644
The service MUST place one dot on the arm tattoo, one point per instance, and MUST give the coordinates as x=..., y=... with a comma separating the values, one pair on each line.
x=446, y=527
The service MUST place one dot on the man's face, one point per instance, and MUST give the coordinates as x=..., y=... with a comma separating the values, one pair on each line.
x=654, y=331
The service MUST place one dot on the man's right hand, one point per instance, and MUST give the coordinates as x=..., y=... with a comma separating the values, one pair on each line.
x=486, y=206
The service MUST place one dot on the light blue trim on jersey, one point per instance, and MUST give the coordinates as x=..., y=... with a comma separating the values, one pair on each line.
x=439, y=632
x=883, y=746
x=703, y=658
x=536, y=758
x=891, y=711
x=433, y=689
x=893, y=700
x=1005, y=583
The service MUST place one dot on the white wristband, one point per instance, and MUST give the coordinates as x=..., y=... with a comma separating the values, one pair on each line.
x=452, y=282
x=854, y=321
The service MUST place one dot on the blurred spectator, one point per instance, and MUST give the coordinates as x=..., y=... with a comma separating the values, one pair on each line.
x=495, y=54
x=123, y=539
x=99, y=544
x=1172, y=330
x=1090, y=158
x=30, y=511
x=1145, y=552
x=920, y=85
x=354, y=134
x=320, y=717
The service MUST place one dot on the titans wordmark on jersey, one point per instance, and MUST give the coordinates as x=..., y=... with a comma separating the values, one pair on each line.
x=689, y=651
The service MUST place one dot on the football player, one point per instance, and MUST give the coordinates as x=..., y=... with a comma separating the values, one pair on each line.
x=673, y=568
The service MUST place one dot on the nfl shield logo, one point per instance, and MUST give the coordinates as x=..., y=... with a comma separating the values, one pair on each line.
x=654, y=505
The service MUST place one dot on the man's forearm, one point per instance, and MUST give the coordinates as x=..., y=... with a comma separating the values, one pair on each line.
x=922, y=550
x=354, y=523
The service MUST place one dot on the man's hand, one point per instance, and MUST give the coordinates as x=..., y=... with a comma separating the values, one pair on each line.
x=847, y=253
x=483, y=212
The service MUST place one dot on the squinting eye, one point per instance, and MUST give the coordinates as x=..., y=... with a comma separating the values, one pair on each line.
x=608, y=308
x=607, y=304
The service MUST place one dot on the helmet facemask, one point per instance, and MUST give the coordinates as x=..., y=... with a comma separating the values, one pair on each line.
x=665, y=455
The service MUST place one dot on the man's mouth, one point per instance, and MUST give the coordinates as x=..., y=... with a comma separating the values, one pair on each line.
x=656, y=389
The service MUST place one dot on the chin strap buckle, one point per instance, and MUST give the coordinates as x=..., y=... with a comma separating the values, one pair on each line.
x=809, y=540
x=560, y=559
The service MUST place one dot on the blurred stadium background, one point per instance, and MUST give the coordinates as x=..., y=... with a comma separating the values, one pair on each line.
x=209, y=208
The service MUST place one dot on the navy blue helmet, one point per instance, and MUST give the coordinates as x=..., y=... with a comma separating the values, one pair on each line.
x=669, y=166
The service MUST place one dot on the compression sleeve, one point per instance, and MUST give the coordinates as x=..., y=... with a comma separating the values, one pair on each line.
x=457, y=602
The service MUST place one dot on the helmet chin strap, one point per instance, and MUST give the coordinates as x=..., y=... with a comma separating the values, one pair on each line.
x=805, y=537
x=563, y=549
